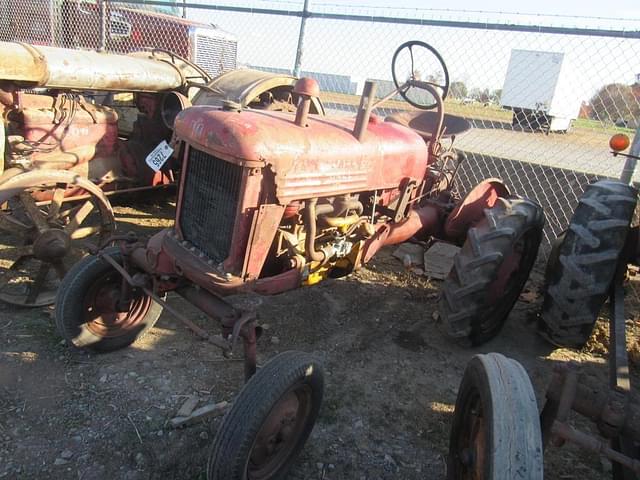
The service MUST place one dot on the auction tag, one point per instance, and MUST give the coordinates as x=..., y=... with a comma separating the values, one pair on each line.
x=157, y=158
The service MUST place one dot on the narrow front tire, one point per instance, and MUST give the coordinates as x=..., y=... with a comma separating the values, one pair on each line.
x=270, y=420
x=88, y=314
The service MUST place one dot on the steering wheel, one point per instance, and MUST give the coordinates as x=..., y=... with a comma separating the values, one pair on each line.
x=413, y=82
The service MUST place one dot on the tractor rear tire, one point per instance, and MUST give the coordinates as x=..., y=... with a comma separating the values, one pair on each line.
x=271, y=418
x=496, y=432
x=485, y=281
x=483, y=285
x=580, y=272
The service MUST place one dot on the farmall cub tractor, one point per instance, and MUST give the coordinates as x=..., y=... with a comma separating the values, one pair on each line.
x=272, y=201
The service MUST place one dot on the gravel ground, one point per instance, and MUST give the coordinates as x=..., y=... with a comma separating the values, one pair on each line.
x=391, y=383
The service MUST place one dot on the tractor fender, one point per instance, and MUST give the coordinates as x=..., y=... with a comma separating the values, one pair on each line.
x=18, y=182
x=244, y=86
x=471, y=209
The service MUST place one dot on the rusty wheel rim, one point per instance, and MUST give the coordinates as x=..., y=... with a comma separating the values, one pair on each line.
x=512, y=274
x=103, y=315
x=41, y=236
x=508, y=269
x=473, y=440
x=280, y=433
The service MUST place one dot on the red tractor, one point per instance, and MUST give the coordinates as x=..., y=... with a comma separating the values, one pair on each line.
x=272, y=201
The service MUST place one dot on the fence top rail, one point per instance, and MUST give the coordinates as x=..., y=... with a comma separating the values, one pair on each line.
x=511, y=27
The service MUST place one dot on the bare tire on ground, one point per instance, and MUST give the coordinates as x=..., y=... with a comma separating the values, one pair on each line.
x=88, y=314
x=490, y=271
x=270, y=419
x=496, y=431
x=582, y=268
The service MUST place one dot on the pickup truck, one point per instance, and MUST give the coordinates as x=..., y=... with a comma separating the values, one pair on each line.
x=77, y=24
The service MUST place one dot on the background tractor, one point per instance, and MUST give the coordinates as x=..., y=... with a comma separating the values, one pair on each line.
x=496, y=430
x=271, y=201
x=79, y=126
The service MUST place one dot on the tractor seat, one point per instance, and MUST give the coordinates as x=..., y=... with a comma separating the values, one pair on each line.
x=424, y=123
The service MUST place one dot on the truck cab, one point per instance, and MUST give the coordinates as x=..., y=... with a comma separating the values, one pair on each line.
x=77, y=24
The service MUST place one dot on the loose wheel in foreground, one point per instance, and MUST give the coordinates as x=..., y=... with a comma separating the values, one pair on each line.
x=582, y=266
x=270, y=420
x=496, y=431
x=88, y=314
x=490, y=271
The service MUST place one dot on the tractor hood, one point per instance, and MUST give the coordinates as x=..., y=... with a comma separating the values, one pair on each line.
x=321, y=159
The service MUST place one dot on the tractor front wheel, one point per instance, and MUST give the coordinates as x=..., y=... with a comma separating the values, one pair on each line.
x=88, y=310
x=490, y=271
x=271, y=418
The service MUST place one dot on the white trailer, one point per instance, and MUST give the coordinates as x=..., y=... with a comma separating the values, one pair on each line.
x=540, y=89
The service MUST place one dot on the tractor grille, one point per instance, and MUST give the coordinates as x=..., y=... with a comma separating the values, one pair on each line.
x=215, y=54
x=209, y=203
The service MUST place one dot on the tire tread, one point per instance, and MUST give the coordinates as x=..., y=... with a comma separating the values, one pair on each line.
x=463, y=304
x=253, y=402
x=577, y=283
x=513, y=433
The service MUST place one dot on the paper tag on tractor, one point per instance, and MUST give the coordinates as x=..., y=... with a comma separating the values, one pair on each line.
x=157, y=158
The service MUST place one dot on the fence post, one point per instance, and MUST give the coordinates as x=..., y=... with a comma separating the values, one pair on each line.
x=299, y=50
x=55, y=23
x=102, y=19
x=635, y=145
x=630, y=162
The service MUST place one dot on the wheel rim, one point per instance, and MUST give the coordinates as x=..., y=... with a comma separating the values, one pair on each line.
x=280, y=433
x=42, y=233
x=472, y=441
x=513, y=273
x=102, y=315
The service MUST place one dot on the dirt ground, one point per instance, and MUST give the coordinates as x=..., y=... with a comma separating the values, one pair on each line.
x=391, y=383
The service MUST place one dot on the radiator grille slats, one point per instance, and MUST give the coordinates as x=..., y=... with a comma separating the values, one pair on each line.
x=209, y=204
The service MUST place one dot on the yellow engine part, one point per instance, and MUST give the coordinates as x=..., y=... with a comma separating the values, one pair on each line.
x=317, y=276
x=349, y=263
x=341, y=223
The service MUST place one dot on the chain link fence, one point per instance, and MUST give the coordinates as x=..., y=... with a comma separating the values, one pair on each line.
x=118, y=27
x=543, y=97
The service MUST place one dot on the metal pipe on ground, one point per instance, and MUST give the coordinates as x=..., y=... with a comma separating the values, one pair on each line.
x=596, y=404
